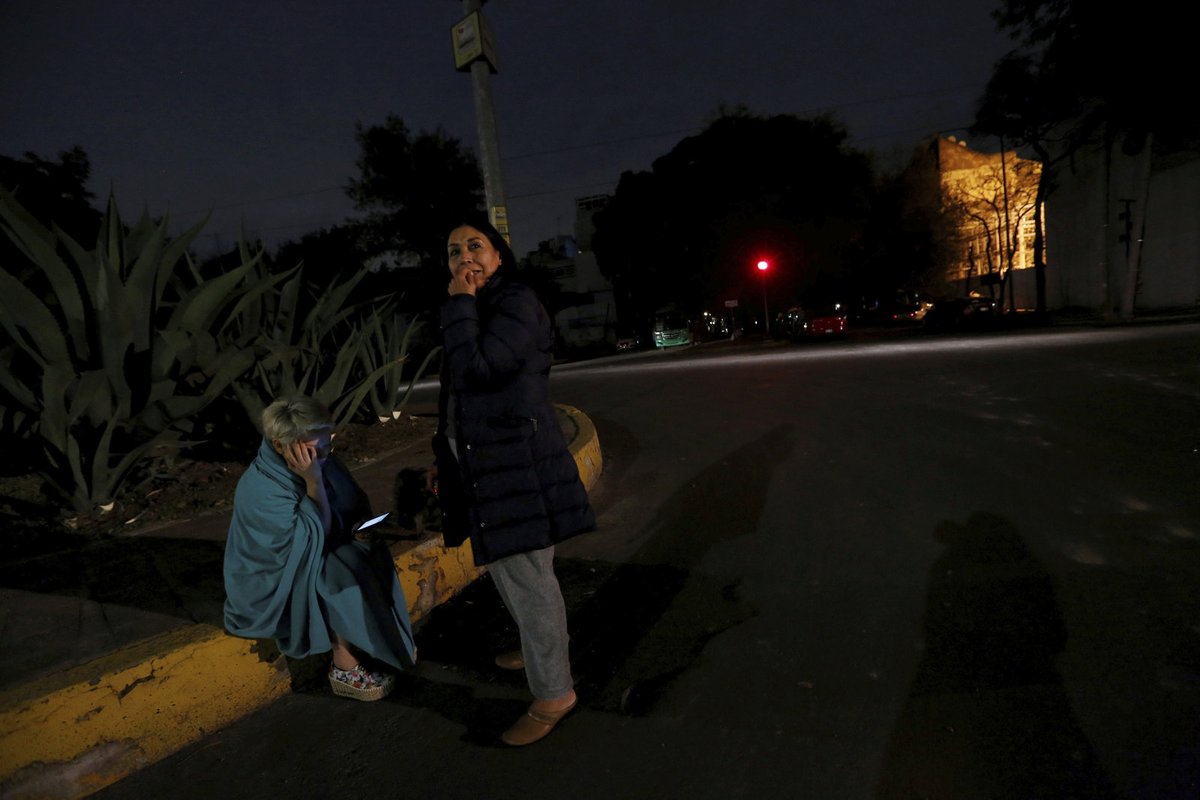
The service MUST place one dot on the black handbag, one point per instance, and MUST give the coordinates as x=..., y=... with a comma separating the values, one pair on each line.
x=414, y=504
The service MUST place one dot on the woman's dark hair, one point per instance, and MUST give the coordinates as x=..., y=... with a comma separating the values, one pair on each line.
x=480, y=222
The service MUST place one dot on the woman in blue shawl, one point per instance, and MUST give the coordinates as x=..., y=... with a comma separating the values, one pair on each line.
x=294, y=570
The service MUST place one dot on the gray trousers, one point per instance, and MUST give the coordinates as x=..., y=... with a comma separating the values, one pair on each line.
x=529, y=589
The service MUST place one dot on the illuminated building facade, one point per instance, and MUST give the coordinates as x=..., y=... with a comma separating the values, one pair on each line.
x=989, y=201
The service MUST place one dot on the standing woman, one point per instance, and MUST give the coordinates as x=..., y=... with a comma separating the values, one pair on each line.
x=506, y=480
x=296, y=572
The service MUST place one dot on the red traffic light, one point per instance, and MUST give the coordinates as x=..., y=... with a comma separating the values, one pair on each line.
x=763, y=265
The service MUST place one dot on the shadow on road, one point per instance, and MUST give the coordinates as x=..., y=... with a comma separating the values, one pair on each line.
x=987, y=715
x=650, y=621
x=635, y=626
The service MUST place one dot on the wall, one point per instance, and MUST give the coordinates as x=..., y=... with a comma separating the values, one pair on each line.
x=1087, y=261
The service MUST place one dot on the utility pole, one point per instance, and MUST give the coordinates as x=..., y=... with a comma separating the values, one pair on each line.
x=474, y=52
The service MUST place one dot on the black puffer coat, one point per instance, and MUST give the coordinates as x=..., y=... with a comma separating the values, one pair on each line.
x=514, y=486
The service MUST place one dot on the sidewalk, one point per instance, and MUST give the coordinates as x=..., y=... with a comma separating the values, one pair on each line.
x=116, y=674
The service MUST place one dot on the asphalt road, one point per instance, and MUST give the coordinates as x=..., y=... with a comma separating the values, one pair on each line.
x=960, y=567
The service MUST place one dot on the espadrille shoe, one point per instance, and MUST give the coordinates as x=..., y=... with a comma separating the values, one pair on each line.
x=359, y=684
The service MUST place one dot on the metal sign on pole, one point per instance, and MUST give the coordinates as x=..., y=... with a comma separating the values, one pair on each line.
x=472, y=40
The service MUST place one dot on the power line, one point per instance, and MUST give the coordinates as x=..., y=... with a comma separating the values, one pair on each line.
x=613, y=141
x=606, y=184
x=686, y=131
x=601, y=143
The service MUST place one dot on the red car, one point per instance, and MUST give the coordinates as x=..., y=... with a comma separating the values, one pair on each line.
x=824, y=321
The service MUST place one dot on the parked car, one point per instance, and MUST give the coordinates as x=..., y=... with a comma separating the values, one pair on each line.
x=790, y=324
x=908, y=313
x=962, y=313
x=899, y=308
x=826, y=320
x=630, y=343
x=715, y=326
x=671, y=328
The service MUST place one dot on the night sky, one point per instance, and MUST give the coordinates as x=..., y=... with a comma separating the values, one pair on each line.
x=248, y=109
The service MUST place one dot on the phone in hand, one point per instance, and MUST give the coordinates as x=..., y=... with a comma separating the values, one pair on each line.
x=372, y=521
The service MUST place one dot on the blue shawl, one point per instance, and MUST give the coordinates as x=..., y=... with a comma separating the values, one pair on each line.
x=287, y=579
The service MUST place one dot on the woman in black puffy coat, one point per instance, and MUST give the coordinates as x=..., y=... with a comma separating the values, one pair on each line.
x=506, y=480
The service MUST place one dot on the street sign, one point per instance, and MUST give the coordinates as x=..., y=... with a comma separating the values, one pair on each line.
x=499, y=220
x=472, y=40
x=731, y=303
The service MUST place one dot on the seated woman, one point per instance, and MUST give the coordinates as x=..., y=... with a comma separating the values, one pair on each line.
x=294, y=570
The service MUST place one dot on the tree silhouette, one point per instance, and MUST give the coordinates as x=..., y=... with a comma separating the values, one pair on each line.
x=56, y=194
x=909, y=242
x=409, y=188
x=689, y=231
x=410, y=185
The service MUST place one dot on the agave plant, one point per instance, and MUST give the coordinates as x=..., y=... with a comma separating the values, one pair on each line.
x=347, y=355
x=384, y=354
x=117, y=356
x=304, y=343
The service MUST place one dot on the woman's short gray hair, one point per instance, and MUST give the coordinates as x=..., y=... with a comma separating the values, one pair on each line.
x=295, y=419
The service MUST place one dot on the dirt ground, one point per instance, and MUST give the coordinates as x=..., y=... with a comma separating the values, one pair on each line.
x=179, y=490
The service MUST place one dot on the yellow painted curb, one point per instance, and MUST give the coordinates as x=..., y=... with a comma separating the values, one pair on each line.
x=431, y=573
x=585, y=446
x=73, y=733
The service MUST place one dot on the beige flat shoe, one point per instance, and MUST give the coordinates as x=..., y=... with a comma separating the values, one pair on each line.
x=534, y=725
x=511, y=660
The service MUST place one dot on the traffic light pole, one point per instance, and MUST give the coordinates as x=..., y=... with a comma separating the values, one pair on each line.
x=762, y=268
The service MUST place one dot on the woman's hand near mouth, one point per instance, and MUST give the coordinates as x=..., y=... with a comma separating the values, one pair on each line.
x=468, y=278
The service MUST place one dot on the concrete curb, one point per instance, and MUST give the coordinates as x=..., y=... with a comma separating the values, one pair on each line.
x=75, y=732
